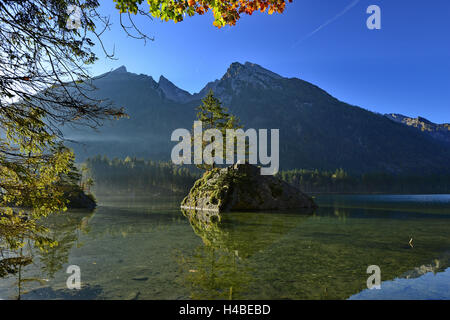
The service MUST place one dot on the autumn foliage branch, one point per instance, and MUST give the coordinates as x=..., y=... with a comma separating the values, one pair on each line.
x=226, y=12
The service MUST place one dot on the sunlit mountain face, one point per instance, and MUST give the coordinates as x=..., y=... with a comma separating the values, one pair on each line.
x=439, y=131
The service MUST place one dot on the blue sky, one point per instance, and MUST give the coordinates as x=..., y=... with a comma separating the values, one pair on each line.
x=402, y=68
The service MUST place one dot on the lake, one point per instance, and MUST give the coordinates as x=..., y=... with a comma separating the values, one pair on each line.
x=144, y=248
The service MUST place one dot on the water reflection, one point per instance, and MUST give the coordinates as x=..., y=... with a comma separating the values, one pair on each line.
x=323, y=255
x=429, y=285
x=220, y=267
x=147, y=249
x=61, y=234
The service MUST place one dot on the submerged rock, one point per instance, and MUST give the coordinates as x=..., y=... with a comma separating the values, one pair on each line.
x=241, y=188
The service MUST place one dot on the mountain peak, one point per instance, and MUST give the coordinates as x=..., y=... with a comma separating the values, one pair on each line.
x=171, y=91
x=121, y=69
x=248, y=71
x=238, y=76
x=438, y=131
x=404, y=119
x=164, y=80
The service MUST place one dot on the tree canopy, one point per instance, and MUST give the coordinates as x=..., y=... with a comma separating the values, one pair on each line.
x=214, y=115
x=226, y=12
x=44, y=85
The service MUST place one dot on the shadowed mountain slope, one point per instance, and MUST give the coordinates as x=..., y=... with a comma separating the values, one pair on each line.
x=317, y=131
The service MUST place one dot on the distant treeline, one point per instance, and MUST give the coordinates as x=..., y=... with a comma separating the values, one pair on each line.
x=137, y=175
x=314, y=181
x=147, y=176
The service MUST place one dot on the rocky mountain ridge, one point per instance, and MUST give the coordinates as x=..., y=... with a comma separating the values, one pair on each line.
x=317, y=131
x=437, y=131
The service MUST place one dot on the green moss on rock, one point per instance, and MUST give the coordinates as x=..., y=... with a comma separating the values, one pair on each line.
x=241, y=187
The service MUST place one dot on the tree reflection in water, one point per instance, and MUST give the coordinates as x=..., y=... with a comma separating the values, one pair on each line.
x=220, y=268
x=60, y=231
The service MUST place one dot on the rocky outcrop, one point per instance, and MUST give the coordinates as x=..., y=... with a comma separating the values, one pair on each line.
x=242, y=188
x=438, y=131
x=78, y=199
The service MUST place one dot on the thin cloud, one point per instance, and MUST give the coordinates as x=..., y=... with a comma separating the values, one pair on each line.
x=326, y=23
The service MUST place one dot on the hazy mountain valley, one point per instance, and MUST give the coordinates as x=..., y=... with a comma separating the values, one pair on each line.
x=317, y=131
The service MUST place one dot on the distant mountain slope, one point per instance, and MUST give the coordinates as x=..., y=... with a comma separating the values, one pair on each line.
x=437, y=131
x=316, y=129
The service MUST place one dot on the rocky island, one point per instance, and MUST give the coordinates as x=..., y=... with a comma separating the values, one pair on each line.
x=241, y=188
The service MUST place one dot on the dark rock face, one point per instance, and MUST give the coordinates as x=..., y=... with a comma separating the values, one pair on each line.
x=172, y=92
x=80, y=200
x=242, y=188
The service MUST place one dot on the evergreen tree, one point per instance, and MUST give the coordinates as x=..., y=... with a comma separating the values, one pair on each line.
x=214, y=116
